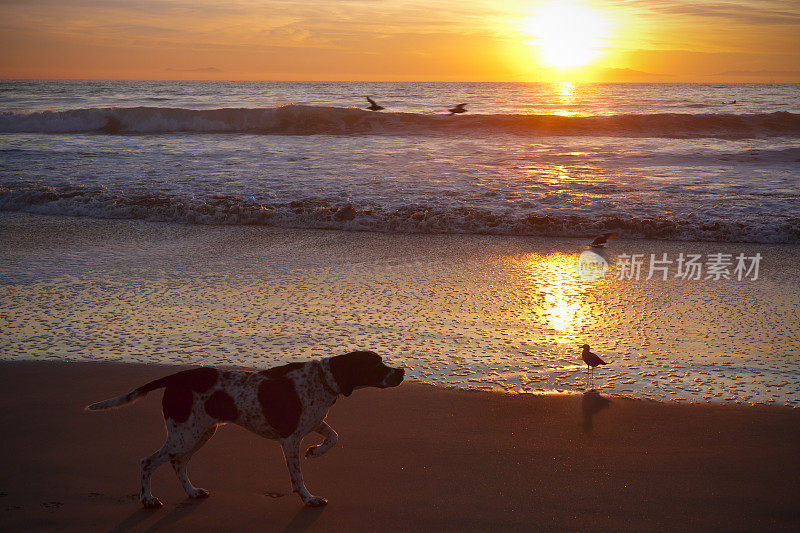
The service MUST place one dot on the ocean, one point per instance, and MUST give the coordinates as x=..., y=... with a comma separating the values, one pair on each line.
x=113, y=192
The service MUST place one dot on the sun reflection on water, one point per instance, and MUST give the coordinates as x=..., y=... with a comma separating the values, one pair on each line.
x=565, y=92
x=564, y=97
x=556, y=307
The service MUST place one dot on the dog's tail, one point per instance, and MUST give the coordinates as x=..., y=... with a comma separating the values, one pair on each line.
x=119, y=401
x=131, y=397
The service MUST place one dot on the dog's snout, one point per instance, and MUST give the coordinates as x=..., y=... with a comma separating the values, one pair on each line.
x=394, y=377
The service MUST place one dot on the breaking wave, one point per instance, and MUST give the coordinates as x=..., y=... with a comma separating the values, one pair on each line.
x=310, y=120
x=233, y=210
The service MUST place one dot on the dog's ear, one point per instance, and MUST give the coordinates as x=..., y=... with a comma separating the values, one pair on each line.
x=346, y=390
x=342, y=370
x=349, y=369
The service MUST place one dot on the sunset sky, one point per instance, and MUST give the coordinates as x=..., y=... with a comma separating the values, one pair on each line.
x=430, y=40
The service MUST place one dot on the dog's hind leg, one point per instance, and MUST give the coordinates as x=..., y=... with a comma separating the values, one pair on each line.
x=180, y=463
x=291, y=451
x=182, y=439
x=147, y=467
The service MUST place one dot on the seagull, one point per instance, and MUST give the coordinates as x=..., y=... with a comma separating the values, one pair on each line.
x=591, y=359
x=373, y=106
x=458, y=109
x=600, y=241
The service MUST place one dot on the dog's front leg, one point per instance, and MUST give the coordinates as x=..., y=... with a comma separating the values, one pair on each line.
x=331, y=437
x=291, y=451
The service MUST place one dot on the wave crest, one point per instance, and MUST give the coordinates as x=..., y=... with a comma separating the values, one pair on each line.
x=310, y=120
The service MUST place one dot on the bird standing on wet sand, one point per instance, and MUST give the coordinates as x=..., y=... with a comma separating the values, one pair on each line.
x=601, y=241
x=591, y=359
x=458, y=109
x=373, y=106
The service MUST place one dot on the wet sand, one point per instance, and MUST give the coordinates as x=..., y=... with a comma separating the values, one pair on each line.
x=475, y=311
x=412, y=458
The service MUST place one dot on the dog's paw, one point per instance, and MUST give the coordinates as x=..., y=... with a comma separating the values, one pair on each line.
x=316, y=501
x=312, y=451
x=151, y=503
x=199, y=493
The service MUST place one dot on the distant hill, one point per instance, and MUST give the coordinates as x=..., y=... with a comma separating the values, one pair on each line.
x=760, y=75
x=627, y=75
x=200, y=69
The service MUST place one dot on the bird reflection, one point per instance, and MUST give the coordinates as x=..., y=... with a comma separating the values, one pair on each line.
x=591, y=404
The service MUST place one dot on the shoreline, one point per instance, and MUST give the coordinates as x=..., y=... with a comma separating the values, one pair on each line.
x=173, y=367
x=414, y=457
x=426, y=233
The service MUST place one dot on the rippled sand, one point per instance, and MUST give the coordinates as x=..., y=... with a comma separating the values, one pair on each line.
x=468, y=311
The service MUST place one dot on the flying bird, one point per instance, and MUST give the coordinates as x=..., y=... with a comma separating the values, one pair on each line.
x=601, y=241
x=591, y=359
x=458, y=109
x=373, y=106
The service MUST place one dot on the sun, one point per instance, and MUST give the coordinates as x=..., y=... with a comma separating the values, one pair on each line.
x=568, y=34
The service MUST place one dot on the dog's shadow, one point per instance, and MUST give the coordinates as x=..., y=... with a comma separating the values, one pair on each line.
x=303, y=519
x=132, y=521
x=181, y=510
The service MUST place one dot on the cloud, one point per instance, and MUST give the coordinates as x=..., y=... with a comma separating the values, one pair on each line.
x=451, y=39
x=769, y=12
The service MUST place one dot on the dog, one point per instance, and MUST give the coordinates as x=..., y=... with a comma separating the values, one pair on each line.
x=284, y=403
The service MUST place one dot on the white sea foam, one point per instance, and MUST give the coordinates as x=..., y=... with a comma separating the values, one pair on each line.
x=232, y=210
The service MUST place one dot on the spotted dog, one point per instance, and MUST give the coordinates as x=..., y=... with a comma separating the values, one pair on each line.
x=284, y=403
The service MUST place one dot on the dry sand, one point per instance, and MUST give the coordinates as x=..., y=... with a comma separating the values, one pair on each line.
x=411, y=458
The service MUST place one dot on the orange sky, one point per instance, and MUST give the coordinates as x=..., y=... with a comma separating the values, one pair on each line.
x=430, y=40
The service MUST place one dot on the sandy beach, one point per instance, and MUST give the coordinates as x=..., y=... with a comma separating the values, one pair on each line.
x=409, y=459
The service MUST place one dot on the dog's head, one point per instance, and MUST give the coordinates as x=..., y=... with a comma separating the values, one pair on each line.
x=356, y=370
